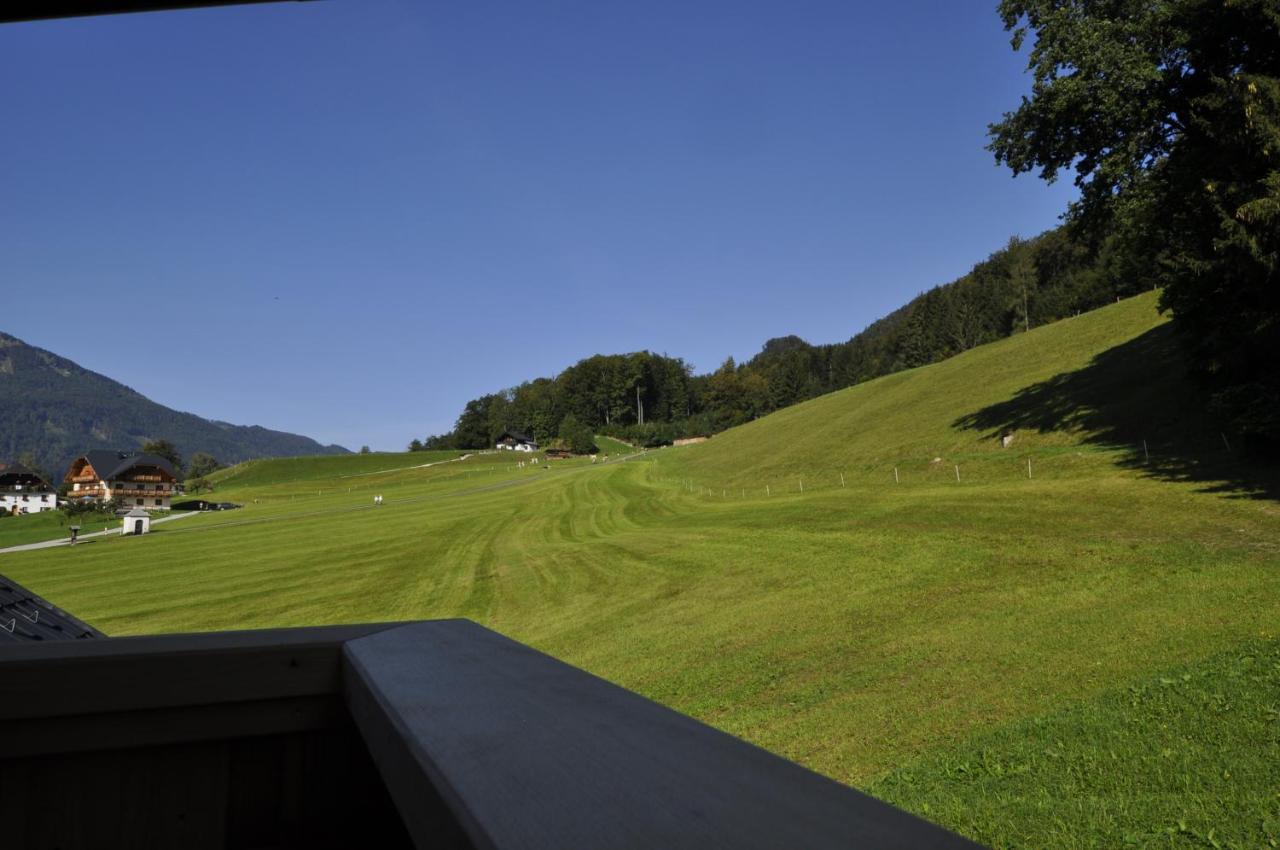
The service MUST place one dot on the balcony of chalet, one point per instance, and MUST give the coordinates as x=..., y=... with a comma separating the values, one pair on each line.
x=133, y=491
x=435, y=734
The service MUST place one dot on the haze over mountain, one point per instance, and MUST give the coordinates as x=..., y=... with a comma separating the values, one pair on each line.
x=55, y=409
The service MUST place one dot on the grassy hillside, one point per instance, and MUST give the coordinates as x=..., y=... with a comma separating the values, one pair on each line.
x=1103, y=382
x=47, y=525
x=1052, y=781
x=283, y=470
x=873, y=631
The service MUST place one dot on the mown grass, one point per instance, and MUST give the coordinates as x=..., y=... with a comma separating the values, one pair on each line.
x=1108, y=382
x=1189, y=758
x=859, y=629
x=612, y=447
x=47, y=525
x=280, y=470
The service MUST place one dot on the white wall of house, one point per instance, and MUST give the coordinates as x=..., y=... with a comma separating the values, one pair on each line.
x=136, y=525
x=28, y=502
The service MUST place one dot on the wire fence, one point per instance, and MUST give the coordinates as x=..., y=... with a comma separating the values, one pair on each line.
x=1207, y=462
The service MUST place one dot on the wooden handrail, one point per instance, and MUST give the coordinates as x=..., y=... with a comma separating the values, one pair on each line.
x=528, y=752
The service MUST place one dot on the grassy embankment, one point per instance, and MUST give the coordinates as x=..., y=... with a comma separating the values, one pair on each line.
x=48, y=525
x=879, y=632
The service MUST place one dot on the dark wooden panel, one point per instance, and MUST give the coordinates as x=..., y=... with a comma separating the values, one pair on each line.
x=314, y=790
x=163, y=797
x=124, y=674
x=528, y=752
x=29, y=736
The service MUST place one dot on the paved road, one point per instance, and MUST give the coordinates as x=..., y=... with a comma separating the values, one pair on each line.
x=63, y=541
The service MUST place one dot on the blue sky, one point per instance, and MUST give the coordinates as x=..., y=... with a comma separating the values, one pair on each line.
x=346, y=218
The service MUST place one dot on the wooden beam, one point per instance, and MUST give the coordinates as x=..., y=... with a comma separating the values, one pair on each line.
x=68, y=678
x=124, y=730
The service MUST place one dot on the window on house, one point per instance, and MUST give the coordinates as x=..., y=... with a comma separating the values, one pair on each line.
x=139, y=501
x=158, y=501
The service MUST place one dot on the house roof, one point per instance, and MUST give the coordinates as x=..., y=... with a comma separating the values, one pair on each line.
x=17, y=470
x=515, y=435
x=139, y=513
x=25, y=617
x=111, y=464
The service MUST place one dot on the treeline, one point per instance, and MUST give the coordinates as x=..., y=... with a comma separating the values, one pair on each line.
x=651, y=399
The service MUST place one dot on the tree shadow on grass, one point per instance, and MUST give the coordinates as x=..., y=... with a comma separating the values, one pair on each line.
x=1137, y=391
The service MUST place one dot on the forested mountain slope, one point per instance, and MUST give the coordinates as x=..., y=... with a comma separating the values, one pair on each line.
x=651, y=399
x=54, y=409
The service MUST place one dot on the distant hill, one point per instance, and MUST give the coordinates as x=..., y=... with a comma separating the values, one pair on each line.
x=1112, y=380
x=1108, y=378
x=56, y=409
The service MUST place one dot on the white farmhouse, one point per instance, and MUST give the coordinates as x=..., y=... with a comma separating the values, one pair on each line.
x=23, y=491
x=516, y=442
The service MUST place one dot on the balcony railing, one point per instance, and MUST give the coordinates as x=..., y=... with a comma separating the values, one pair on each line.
x=434, y=734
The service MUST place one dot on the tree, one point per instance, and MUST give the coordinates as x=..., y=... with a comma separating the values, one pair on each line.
x=166, y=450
x=202, y=464
x=28, y=459
x=440, y=441
x=198, y=484
x=415, y=445
x=471, y=431
x=577, y=436
x=1169, y=112
x=364, y=450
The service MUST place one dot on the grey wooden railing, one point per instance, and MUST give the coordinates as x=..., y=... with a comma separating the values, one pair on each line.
x=431, y=734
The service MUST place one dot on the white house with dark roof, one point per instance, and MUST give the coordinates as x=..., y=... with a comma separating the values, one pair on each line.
x=132, y=478
x=24, y=491
x=516, y=442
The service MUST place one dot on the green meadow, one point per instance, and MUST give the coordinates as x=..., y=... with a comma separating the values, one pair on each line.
x=1081, y=652
x=47, y=525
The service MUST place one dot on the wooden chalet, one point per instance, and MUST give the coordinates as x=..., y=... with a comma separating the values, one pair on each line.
x=24, y=491
x=137, y=479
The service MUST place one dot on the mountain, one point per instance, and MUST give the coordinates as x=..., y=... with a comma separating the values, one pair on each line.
x=55, y=409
